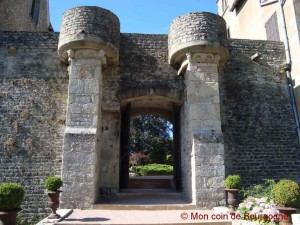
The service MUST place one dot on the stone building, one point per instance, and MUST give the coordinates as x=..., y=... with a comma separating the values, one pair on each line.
x=68, y=114
x=262, y=20
x=20, y=15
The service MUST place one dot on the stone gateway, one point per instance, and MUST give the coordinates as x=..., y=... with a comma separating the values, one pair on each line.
x=67, y=114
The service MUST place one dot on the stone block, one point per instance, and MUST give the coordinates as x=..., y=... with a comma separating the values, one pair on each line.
x=206, y=170
x=204, y=94
x=204, y=111
x=208, y=136
x=91, y=87
x=79, y=168
x=74, y=108
x=89, y=108
x=76, y=86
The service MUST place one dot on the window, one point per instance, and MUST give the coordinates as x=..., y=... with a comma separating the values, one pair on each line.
x=272, y=28
x=35, y=11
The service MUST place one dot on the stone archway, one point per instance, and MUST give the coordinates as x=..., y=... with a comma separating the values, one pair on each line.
x=162, y=102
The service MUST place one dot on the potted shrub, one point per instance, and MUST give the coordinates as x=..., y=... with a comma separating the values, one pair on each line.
x=11, y=198
x=52, y=184
x=286, y=194
x=232, y=186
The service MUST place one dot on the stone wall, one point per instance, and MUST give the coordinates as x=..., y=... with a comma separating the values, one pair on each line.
x=258, y=129
x=143, y=67
x=15, y=15
x=196, y=32
x=257, y=119
x=144, y=62
x=90, y=27
x=33, y=88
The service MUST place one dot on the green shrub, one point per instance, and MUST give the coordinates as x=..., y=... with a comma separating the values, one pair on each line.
x=11, y=196
x=259, y=190
x=286, y=193
x=53, y=183
x=233, y=182
x=153, y=169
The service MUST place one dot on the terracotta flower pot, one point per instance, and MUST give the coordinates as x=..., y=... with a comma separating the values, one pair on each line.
x=232, y=197
x=288, y=212
x=53, y=203
x=8, y=217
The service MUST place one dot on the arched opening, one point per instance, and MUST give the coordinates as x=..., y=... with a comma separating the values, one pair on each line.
x=151, y=153
x=142, y=110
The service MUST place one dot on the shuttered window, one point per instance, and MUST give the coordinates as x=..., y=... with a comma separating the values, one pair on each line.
x=272, y=28
x=35, y=10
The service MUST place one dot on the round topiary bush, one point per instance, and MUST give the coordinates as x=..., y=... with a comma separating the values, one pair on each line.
x=286, y=193
x=11, y=196
x=53, y=183
x=233, y=182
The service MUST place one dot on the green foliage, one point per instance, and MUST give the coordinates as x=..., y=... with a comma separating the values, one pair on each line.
x=153, y=169
x=233, y=182
x=259, y=190
x=151, y=136
x=11, y=196
x=286, y=193
x=53, y=183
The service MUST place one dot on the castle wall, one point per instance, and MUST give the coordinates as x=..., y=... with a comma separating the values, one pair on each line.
x=257, y=123
x=144, y=63
x=257, y=119
x=33, y=88
x=197, y=46
x=143, y=66
x=15, y=15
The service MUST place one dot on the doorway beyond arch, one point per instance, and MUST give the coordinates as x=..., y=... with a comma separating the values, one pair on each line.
x=163, y=102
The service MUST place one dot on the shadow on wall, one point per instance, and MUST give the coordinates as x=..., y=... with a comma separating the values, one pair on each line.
x=257, y=120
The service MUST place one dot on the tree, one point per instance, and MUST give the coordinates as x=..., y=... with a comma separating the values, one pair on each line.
x=151, y=136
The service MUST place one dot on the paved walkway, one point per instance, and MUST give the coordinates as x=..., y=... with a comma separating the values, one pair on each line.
x=134, y=217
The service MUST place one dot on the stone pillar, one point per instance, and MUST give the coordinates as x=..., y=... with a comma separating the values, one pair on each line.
x=80, y=152
x=204, y=128
x=197, y=49
x=89, y=39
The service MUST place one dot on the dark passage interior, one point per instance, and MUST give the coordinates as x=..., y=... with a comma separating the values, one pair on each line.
x=150, y=153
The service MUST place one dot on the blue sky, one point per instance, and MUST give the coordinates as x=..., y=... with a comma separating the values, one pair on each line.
x=137, y=16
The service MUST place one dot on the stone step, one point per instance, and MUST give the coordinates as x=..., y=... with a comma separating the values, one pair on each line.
x=149, y=183
x=144, y=207
x=145, y=199
x=141, y=217
x=158, y=192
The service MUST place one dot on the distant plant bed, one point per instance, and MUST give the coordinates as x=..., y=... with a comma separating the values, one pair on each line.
x=153, y=170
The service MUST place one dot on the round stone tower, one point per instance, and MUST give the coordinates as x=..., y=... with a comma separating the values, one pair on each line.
x=194, y=33
x=89, y=40
x=197, y=49
x=90, y=27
